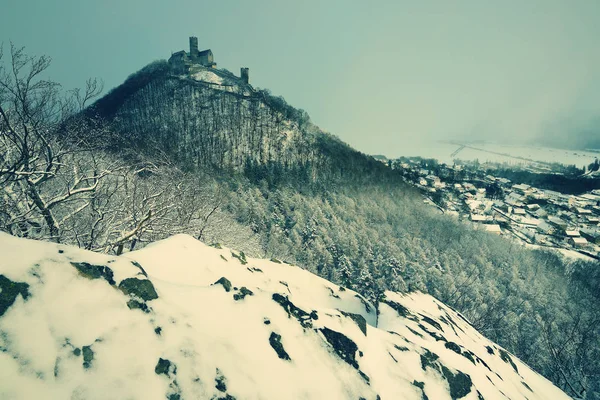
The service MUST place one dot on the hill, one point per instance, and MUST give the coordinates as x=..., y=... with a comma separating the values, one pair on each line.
x=212, y=119
x=182, y=320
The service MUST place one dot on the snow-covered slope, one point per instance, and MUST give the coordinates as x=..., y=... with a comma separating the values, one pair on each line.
x=181, y=320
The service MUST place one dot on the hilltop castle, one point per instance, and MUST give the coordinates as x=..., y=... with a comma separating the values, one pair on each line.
x=182, y=62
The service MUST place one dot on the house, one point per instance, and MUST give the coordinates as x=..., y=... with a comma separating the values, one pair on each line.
x=572, y=233
x=521, y=188
x=493, y=228
x=557, y=222
x=578, y=242
x=478, y=218
x=533, y=207
x=518, y=211
x=592, y=235
x=540, y=213
x=545, y=228
x=583, y=211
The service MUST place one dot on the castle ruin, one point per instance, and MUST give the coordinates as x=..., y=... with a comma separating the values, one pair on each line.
x=182, y=62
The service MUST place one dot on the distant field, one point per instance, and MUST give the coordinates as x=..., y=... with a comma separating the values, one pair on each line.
x=492, y=152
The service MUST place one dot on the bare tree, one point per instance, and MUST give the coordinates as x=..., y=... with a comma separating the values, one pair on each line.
x=37, y=164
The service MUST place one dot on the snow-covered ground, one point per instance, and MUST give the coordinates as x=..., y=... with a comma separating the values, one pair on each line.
x=493, y=152
x=181, y=320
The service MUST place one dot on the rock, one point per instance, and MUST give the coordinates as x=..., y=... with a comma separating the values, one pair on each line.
x=343, y=346
x=91, y=271
x=275, y=342
x=141, y=288
x=241, y=257
x=507, y=359
x=429, y=359
x=433, y=323
x=165, y=367
x=359, y=320
x=139, y=266
x=88, y=356
x=226, y=283
x=221, y=382
x=460, y=383
x=138, y=305
x=9, y=291
x=244, y=291
x=453, y=346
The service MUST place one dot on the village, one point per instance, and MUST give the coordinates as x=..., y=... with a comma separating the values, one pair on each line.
x=533, y=216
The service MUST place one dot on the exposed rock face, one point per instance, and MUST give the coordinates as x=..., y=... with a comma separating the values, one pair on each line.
x=71, y=327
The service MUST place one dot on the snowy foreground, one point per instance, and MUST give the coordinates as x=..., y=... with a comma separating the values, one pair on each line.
x=181, y=320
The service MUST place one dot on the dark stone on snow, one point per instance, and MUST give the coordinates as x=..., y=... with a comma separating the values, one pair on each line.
x=432, y=323
x=342, y=289
x=364, y=302
x=489, y=350
x=365, y=377
x=429, y=359
x=267, y=321
x=359, y=320
x=174, y=396
x=527, y=386
x=344, y=347
x=9, y=291
x=469, y=356
x=142, y=270
x=479, y=396
x=254, y=269
x=221, y=382
x=421, y=385
x=275, y=342
x=302, y=316
x=400, y=309
x=95, y=271
x=507, y=359
x=401, y=348
x=241, y=257
x=165, y=367
x=60, y=251
x=141, y=288
x=226, y=283
x=460, y=383
x=418, y=384
x=453, y=346
x=88, y=356
x=276, y=261
x=158, y=330
x=77, y=351
x=435, y=335
x=415, y=332
x=314, y=315
x=138, y=305
x=244, y=291
x=479, y=360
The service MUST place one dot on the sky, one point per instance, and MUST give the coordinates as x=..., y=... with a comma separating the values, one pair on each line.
x=381, y=75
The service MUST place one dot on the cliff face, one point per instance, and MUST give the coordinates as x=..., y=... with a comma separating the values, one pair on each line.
x=181, y=320
x=211, y=118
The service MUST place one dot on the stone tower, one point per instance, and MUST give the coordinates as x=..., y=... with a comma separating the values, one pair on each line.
x=244, y=74
x=193, y=47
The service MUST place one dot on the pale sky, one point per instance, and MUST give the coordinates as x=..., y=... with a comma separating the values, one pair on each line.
x=380, y=75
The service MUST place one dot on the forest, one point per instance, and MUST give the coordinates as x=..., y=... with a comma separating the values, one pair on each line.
x=162, y=155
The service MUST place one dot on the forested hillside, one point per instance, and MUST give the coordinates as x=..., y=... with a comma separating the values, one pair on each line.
x=165, y=154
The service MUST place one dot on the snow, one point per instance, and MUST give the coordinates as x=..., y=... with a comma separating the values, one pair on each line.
x=495, y=152
x=206, y=333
